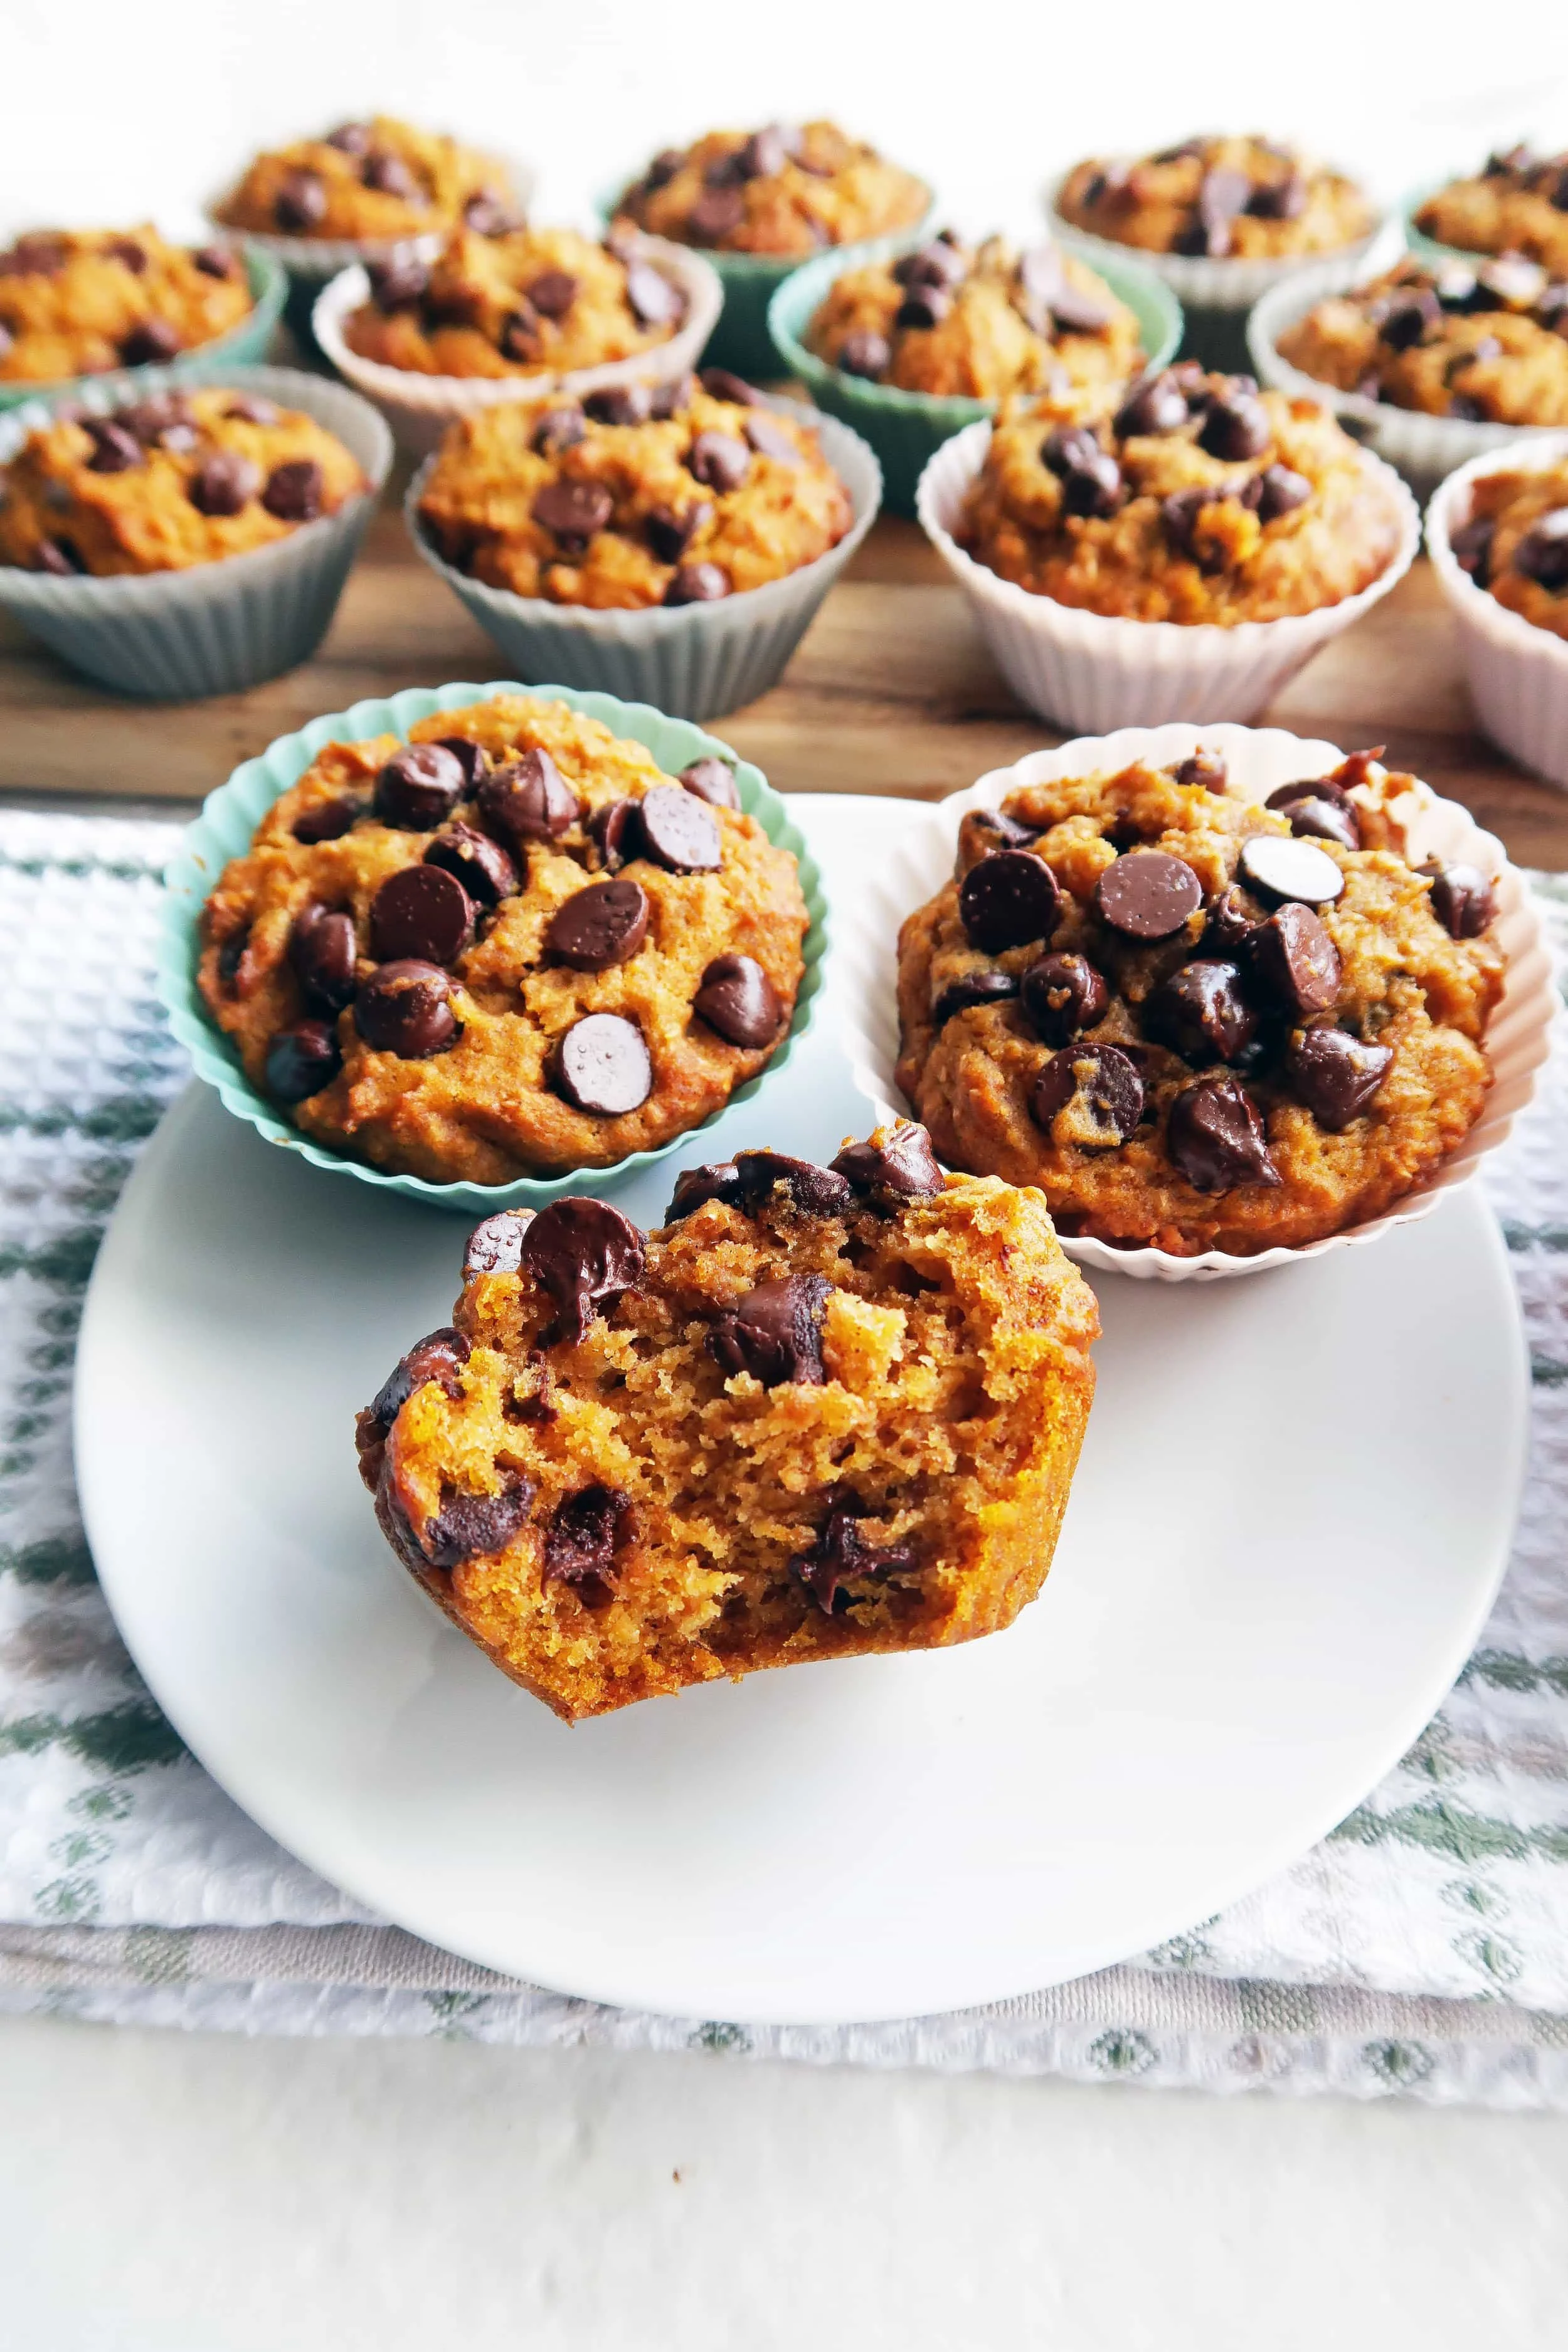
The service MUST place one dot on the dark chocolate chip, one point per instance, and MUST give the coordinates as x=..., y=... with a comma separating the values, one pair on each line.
x=557, y=429
x=473, y=1526
x=301, y=1061
x=1293, y=955
x=1542, y=555
x=150, y=342
x=329, y=820
x=1061, y=996
x=294, y=492
x=601, y=925
x=403, y=1009
x=840, y=1554
x=223, y=484
x=479, y=863
x=1223, y=194
x=694, y=1187
x=723, y=383
x=114, y=449
x=350, y=138
x=521, y=336
x=1314, y=817
x=929, y=264
x=300, y=202
x=488, y=216
x=775, y=1332
x=663, y=169
x=1101, y=1084
x=215, y=261
x=580, y=1544
x=249, y=408
x=528, y=800
x=1236, y=427
x=1406, y=316
x=1334, y=1076
x=400, y=282
x=974, y=988
x=669, y=399
x=766, y=153
x=815, y=1191
x=603, y=1067
x=422, y=912
x=864, y=352
x=166, y=421
x=770, y=440
x=679, y=832
x=1283, y=868
x=1158, y=405
x=1147, y=895
x=1283, y=199
x=923, y=307
x=573, y=511
x=669, y=533
x=1009, y=899
x=619, y=403
x=439, y=1356
x=585, y=1255
x=1203, y=1012
x=1206, y=769
x=553, y=293
x=697, y=584
x=59, y=557
x=713, y=780
x=1323, y=788
x=614, y=829
x=984, y=830
x=321, y=949
x=717, y=214
x=470, y=756
x=903, y=1166
x=718, y=461
x=1233, y=922
x=388, y=175
x=653, y=300
x=1282, y=492
x=419, y=787
x=1462, y=898
x=495, y=1246
x=1216, y=1139
x=738, y=1000
x=1090, y=478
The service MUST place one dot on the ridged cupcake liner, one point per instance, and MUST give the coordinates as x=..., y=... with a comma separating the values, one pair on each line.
x=216, y=628
x=245, y=342
x=225, y=828
x=906, y=428
x=1084, y=670
x=420, y=408
x=692, y=660
x=1517, y=674
x=1258, y=761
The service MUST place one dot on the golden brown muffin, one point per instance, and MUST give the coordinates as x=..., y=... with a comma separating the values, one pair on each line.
x=1517, y=203
x=181, y=479
x=822, y=1413
x=635, y=497
x=371, y=182
x=981, y=324
x=1203, y=501
x=1489, y=344
x=510, y=947
x=780, y=189
x=80, y=301
x=1194, y=1022
x=1237, y=199
x=1516, y=543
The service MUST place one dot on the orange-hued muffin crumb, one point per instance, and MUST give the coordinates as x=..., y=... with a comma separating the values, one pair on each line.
x=369, y=182
x=82, y=301
x=1515, y=543
x=781, y=190
x=1517, y=203
x=1232, y=199
x=1489, y=344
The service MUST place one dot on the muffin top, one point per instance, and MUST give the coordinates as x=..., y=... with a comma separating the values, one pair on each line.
x=1489, y=344
x=533, y=301
x=1231, y=199
x=979, y=322
x=1197, y=1023
x=510, y=946
x=780, y=189
x=181, y=479
x=1515, y=543
x=678, y=495
x=80, y=301
x=1517, y=203
x=1201, y=501
x=371, y=181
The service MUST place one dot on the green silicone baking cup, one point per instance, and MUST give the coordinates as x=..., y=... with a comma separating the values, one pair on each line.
x=229, y=818
x=906, y=428
x=249, y=340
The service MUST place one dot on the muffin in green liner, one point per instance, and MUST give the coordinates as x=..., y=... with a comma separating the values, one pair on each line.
x=247, y=341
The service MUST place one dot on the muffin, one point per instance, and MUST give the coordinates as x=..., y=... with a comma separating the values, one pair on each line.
x=779, y=190
x=1221, y=199
x=509, y=947
x=371, y=182
x=79, y=302
x=820, y=1413
x=1489, y=345
x=680, y=495
x=1518, y=205
x=177, y=479
x=1194, y=1022
x=1515, y=544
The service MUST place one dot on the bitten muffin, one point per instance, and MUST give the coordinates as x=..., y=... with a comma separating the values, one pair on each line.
x=979, y=322
x=181, y=479
x=1197, y=1023
x=1516, y=543
x=1235, y=199
x=535, y=299
x=1517, y=203
x=371, y=182
x=1201, y=501
x=81, y=301
x=778, y=191
x=1489, y=344
x=510, y=946
x=676, y=495
x=821, y=1412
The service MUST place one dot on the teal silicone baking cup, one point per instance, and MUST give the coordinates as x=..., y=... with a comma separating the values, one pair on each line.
x=1427, y=247
x=229, y=818
x=906, y=428
x=249, y=340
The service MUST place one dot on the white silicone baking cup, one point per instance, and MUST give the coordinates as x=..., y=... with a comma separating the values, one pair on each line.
x=1086, y=670
x=1517, y=673
x=315, y=260
x=420, y=407
x=1198, y=282
x=916, y=863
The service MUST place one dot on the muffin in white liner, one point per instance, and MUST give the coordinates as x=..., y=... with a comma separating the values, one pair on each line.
x=1086, y=670
x=694, y=661
x=420, y=407
x=1258, y=760
x=1517, y=674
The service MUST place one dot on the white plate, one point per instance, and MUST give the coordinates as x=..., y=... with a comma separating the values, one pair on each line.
x=1293, y=1510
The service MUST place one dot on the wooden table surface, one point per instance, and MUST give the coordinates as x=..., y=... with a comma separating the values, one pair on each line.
x=893, y=691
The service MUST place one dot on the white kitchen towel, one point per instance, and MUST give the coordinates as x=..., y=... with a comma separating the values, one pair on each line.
x=1421, y=1950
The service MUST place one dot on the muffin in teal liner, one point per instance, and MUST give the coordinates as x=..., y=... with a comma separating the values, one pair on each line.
x=229, y=819
x=1514, y=207
x=245, y=342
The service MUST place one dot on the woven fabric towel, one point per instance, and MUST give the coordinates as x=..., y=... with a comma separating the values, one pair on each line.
x=1422, y=1949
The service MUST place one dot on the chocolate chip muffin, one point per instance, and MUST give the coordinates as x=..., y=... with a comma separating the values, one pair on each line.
x=81, y=301
x=510, y=946
x=1197, y=1023
x=1489, y=344
x=1202, y=499
x=822, y=1411
x=979, y=322
x=1516, y=205
x=1231, y=199
x=178, y=479
x=675, y=495
x=371, y=182
x=1516, y=543
x=777, y=191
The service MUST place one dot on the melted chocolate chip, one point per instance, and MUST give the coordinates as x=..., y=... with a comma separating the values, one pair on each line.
x=974, y=988
x=400, y=282
x=601, y=925
x=775, y=1332
x=694, y=1187
x=528, y=800
x=614, y=830
x=1462, y=899
x=718, y=462
x=697, y=584
x=719, y=384
x=1089, y=475
x=1008, y=900
x=495, y=1246
x=150, y=343
x=1203, y=1012
x=1105, y=1093
x=419, y=787
x=1282, y=492
x=583, y=1254
x=1062, y=995
x=300, y=202
x=479, y=863
x=602, y=1065
x=301, y=1061
x=1215, y=1137
x=422, y=912
x=439, y=1356
x=815, y=1191
x=59, y=557
x=403, y=1009
x=1236, y=427
x=897, y=1163
x=1206, y=769
x=713, y=780
x=1314, y=817
x=223, y=484
x=1157, y=406
x=1323, y=788
x=841, y=1554
x=322, y=952
x=619, y=403
x=670, y=533
x=1233, y=920
x=573, y=511
x=1334, y=1076
x=678, y=833
x=737, y=1001
x=1147, y=895
x=864, y=352
x=473, y=1526
x=329, y=820
x=1290, y=869
x=580, y=1545
x=1294, y=957
x=295, y=491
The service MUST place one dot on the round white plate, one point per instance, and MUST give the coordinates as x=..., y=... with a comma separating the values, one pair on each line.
x=1293, y=1508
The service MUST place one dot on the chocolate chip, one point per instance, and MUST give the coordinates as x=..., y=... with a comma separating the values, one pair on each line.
x=974, y=988
x=1290, y=869
x=573, y=511
x=400, y=282
x=864, y=352
x=422, y=912
x=1009, y=899
x=663, y=169
x=522, y=338
x=403, y=1009
x=114, y=451
x=651, y=298
x=718, y=461
x=1223, y=194
x=488, y=216
x=981, y=831
x=602, y=1066
x=1179, y=515
x=166, y=421
x=1232, y=921
x=619, y=403
x=896, y=1163
x=322, y=951
x=39, y=255
x=1325, y=788
x=669, y=399
x=388, y=175
x=1089, y=475
x=1203, y=1011
x=439, y=1356
x=557, y=429
x=59, y=557
x=929, y=264
x=766, y=152
x=419, y=787
x=723, y=383
x=815, y=1191
x=1542, y=555
x=1466, y=405
x=738, y=1000
x=1158, y=405
x=328, y=821
x=495, y=1246
x=1406, y=316
x=585, y=1255
x=350, y=138
x=1279, y=199
x=553, y=293
x=713, y=780
x=251, y=409
x=841, y=1553
x=1215, y=1137
x=614, y=827
x=599, y=926
x=1062, y=994
x=1462, y=898
x=1050, y=296
x=479, y=864
x=697, y=584
x=473, y=1526
x=1282, y=492
x=528, y=800
x=717, y=214
x=1101, y=1085
x=1293, y=955
x=223, y=484
x=1315, y=817
x=923, y=307
x=770, y=440
x=301, y=1061
x=694, y=1187
x=300, y=202
x=1206, y=769
x=294, y=492
x=1236, y=427
x=7, y=339
x=580, y=1544
x=1147, y=895
x=1334, y=1076
x=150, y=342
x=678, y=831
x=775, y=1332
x=215, y=261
